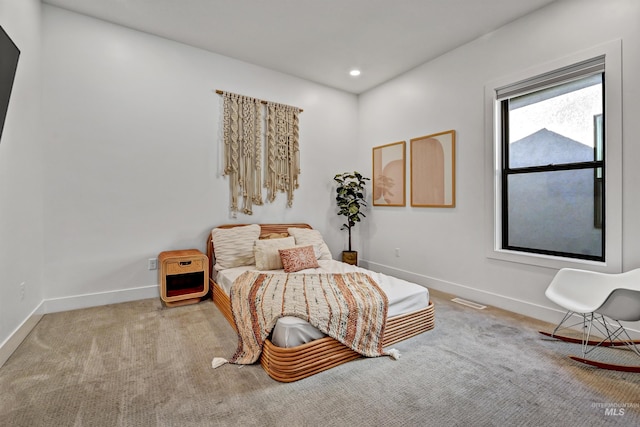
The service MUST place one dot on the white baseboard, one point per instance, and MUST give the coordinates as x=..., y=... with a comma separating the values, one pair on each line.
x=11, y=344
x=536, y=311
x=54, y=305
x=75, y=302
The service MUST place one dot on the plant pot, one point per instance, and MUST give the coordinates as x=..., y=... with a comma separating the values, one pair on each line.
x=350, y=257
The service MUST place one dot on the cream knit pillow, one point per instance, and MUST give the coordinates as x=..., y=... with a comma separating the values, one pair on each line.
x=306, y=236
x=267, y=255
x=233, y=247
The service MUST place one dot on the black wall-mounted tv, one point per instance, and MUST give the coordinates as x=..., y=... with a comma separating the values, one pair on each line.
x=9, y=54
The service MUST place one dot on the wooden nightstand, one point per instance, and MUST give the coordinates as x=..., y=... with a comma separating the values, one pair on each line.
x=183, y=276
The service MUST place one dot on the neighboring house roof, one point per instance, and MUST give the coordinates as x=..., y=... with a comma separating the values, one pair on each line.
x=547, y=147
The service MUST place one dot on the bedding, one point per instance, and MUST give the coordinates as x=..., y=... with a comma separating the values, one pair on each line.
x=350, y=308
x=403, y=297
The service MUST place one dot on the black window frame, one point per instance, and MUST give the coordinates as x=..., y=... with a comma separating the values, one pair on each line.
x=598, y=165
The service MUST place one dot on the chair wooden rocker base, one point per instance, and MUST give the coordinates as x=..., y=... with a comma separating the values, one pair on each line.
x=564, y=338
x=601, y=301
x=598, y=343
x=609, y=366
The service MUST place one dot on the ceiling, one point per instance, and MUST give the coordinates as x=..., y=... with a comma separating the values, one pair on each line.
x=317, y=40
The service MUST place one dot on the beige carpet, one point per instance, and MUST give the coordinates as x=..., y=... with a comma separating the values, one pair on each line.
x=141, y=364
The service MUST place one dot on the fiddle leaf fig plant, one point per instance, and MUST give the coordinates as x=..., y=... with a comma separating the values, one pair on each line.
x=350, y=199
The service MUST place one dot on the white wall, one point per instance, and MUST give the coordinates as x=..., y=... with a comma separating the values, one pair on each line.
x=132, y=131
x=445, y=248
x=21, y=240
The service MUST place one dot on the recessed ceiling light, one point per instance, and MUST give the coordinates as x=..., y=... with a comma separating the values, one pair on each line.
x=354, y=73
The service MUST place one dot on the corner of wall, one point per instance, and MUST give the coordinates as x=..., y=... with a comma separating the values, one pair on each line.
x=11, y=344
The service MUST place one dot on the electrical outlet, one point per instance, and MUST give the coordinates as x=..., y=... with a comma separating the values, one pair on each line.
x=22, y=286
x=398, y=252
x=153, y=263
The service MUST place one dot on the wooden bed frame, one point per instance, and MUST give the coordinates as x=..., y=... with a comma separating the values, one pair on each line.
x=295, y=363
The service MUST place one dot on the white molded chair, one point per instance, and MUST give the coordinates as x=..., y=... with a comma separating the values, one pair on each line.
x=602, y=300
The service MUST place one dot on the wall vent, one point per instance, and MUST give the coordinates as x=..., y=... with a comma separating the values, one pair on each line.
x=469, y=303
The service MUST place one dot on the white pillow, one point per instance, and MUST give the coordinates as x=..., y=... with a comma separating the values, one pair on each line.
x=233, y=247
x=267, y=255
x=306, y=236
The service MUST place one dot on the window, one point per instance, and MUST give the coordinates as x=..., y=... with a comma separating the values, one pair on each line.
x=553, y=161
x=532, y=189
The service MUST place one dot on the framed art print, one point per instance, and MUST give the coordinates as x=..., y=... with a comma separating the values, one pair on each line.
x=433, y=170
x=389, y=174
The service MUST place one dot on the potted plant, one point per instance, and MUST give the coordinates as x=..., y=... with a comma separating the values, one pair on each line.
x=350, y=200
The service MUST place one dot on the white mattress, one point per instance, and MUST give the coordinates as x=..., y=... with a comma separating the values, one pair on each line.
x=404, y=297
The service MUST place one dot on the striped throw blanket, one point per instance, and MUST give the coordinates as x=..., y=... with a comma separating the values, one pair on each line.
x=350, y=308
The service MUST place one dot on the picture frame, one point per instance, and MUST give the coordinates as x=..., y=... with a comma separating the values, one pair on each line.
x=433, y=170
x=389, y=174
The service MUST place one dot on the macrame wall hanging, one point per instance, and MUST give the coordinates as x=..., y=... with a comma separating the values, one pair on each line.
x=282, y=157
x=243, y=140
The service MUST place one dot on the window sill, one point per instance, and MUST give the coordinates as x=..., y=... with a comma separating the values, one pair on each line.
x=548, y=261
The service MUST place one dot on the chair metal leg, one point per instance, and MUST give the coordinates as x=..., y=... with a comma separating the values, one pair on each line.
x=586, y=331
x=612, y=337
x=561, y=326
x=615, y=335
x=612, y=340
x=626, y=340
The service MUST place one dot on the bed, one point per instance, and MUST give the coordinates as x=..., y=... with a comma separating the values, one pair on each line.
x=297, y=350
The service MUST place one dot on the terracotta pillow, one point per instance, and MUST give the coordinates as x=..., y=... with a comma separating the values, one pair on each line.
x=298, y=258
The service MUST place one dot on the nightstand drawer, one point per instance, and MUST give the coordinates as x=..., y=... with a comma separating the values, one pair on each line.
x=184, y=266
